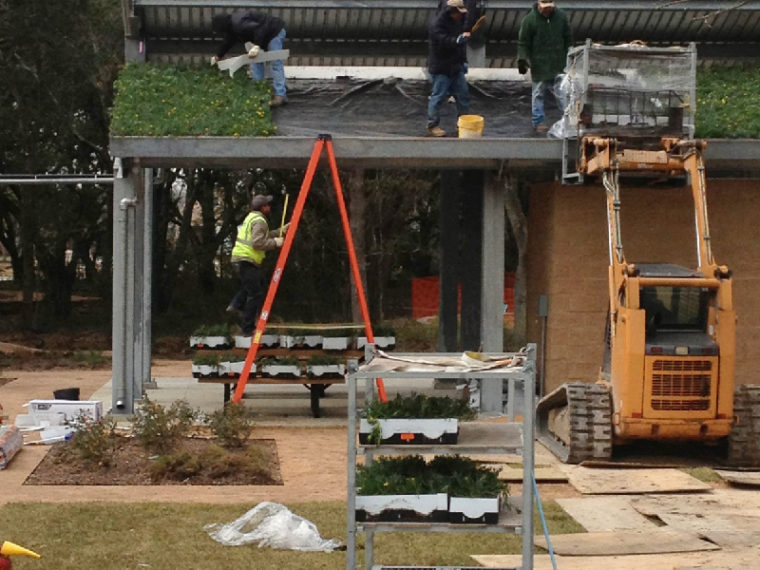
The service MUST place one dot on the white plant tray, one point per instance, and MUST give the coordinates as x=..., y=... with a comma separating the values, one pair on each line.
x=331, y=370
x=234, y=369
x=205, y=371
x=408, y=430
x=266, y=341
x=210, y=342
x=422, y=504
x=275, y=370
x=335, y=342
x=475, y=507
x=381, y=342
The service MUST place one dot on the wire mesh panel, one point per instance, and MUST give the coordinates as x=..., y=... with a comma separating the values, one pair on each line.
x=630, y=90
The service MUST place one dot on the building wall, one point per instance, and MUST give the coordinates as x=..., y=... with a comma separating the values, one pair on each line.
x=568, y=260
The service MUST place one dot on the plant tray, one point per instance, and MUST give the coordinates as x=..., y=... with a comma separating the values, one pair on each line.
x=335, y=342
x=412, y=431
x=325, y=370
x=281, y=370
x=205, y=371
x=381, y=342
x=287, y=341
x=210, y=342
x=266, y=341
x=474, y=510
x=234, y=369
x=309, y=341
x=404, y=508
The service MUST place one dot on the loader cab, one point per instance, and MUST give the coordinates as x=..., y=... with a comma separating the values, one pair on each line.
x=676, y=315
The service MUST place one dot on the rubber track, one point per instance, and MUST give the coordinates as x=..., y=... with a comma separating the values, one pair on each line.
x=590, y=424
x=744, y=439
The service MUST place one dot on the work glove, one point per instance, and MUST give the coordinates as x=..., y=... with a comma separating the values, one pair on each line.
x=214, y=60
x=284, y=228
x=254, y=51
x=278, y=241
x=462, y=38
x=522, y=66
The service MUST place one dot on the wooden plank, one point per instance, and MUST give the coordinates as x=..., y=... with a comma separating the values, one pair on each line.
x=593, y=481
x=232, y=64
x=709, y=560
x=733, y=501
x=748, y=478
x=607, y=513
x=626, y=542
x=267, y=380
x=727, y=517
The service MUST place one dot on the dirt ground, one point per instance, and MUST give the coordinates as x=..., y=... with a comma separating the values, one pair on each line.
x=312, y=460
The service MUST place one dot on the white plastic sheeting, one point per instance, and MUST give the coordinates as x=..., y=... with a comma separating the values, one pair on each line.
x=273, y=525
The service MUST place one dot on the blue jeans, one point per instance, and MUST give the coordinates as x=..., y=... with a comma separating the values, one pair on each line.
x=443, y=86
x=538, y=93
x=278, y=69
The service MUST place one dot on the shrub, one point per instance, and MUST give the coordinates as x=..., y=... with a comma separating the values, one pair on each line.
x=222, y=329
x=206, y=359
x=231, y=426
x=214, y=462
x=323, y=360
x=157, y=428
x=95, y=441
x=420, y=406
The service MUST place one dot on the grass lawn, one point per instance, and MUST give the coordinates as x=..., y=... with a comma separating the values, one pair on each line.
x=171, y=536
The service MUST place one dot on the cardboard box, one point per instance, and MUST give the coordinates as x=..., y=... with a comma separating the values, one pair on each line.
x=69, y=409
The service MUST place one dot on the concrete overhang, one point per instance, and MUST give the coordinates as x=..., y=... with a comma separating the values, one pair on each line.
x=724, y=158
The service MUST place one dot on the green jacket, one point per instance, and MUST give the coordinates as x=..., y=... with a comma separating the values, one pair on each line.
x=543, y=43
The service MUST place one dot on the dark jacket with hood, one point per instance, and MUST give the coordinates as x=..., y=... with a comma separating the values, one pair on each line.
x=543, y=42
x=246, y=26
x=446, y=57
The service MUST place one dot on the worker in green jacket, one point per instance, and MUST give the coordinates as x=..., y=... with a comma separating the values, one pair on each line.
x=542, y=44
x=254, y=239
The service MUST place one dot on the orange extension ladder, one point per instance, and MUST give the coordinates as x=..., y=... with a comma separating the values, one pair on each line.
x=323, y=143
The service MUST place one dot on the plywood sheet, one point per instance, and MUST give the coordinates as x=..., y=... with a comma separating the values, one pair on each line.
x=727, y=517
x=711, y=560
x=736, y=501
x=625, y=542
x=607, y=513
x=543, y=474
x=749, y=478
x=631, y=481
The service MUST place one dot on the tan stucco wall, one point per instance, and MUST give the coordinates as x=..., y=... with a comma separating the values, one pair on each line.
x=568, y=260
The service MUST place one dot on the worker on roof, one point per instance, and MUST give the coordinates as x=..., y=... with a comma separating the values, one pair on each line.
x=542, y=44
x=254, y=239
x=447, y=63
x=264, y=32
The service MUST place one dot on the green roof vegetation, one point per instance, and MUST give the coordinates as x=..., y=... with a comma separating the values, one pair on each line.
x=166, y=100
x=162, y=100
x=728, y=103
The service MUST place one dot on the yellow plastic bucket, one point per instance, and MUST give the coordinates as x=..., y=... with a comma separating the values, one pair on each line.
x=470, y=126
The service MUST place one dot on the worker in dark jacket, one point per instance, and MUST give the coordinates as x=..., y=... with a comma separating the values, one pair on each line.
x=447, y=63
x=543, y=41
x=264, y=32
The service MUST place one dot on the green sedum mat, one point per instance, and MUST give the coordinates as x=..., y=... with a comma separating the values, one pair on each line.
x=162, y=100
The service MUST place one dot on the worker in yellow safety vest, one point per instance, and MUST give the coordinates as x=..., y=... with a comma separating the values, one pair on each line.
x=254, y=239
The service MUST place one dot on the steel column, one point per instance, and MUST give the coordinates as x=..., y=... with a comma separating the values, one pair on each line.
x=492, y=284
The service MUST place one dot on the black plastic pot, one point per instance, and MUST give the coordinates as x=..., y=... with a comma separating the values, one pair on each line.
x=66, y=394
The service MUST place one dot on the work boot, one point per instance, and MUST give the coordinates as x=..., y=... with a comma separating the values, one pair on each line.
x=277, y=101
x=542, y=128
x=436, y=131
x=233, y=311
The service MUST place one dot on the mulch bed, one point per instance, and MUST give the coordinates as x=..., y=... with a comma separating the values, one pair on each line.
x=131, y=466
